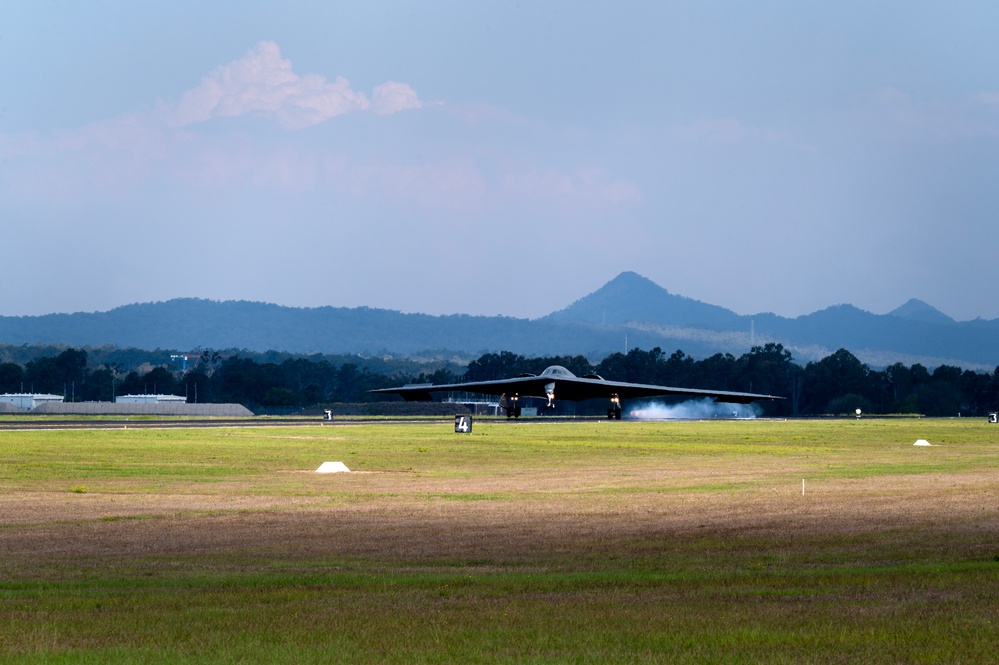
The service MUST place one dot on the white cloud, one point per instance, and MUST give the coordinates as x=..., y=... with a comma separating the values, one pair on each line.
x=262, y=82
x=391, y=97
x=173, y=149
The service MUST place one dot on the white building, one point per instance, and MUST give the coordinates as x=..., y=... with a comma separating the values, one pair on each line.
x=149, y=399
x=28, y=401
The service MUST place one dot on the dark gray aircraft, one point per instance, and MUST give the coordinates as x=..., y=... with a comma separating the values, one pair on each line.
x=557, y=380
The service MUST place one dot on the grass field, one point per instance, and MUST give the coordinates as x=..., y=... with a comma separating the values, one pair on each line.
x=584, y=542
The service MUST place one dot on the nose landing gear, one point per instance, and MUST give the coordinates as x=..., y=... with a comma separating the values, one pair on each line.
x=614, y=412
x=511, y=406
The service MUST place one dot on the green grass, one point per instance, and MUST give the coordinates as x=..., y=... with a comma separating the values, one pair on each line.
x=522, y=542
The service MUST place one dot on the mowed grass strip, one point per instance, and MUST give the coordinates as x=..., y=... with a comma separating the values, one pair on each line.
x=521, y=542
x=883, y=616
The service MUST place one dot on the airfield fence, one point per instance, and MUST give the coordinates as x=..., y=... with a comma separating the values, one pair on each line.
x=163, y=409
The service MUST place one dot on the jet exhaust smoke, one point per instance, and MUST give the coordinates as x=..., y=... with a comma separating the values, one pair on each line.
x=696, y=409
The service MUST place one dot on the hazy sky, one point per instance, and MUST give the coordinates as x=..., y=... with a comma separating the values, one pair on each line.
x=499, y=157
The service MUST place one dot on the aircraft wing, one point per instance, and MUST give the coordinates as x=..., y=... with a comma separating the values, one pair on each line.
x=571, y=388
x=530, y=386
x=588, y=388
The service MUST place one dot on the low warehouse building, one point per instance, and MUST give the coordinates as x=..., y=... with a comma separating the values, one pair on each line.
x=27, y=401
x=161, y=409
x=150, y=399
x=126, y=405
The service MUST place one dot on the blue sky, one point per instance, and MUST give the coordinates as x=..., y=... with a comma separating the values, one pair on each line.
x=499, y=157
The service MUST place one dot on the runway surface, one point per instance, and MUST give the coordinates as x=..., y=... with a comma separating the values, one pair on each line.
x=29, y=423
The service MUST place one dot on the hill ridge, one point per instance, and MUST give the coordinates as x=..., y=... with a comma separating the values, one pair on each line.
x=629, y=306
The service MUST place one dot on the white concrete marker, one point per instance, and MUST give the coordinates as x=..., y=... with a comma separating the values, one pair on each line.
x=921, y=442
x=332, y=467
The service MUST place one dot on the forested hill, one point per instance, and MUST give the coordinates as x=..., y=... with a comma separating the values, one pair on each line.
x=914, y=332
x=195, y=323
x=628, y=312
x=630, y=298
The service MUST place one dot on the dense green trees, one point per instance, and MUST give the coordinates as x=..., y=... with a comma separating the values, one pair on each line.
x=765, y=369
x=57, y=375
x=11, y=378
x=503, y=365
x=836, y=384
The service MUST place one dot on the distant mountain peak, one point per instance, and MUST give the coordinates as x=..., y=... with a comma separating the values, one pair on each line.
x=630, y=284
x=630, y=276
x=630, y=297
x=917, y=310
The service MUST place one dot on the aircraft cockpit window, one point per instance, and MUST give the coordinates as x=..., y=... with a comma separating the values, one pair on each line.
x=558, y=371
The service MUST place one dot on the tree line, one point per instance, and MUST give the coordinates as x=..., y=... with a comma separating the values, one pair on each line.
x=836, y=384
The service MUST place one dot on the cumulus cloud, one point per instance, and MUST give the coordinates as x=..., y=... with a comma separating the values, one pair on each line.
x=391, y=97
x=176, y=146
x=262, y=82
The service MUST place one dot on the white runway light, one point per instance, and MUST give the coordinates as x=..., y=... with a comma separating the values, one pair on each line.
x=332, y=467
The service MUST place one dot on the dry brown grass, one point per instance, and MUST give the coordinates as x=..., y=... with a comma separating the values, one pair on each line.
x=531, y=515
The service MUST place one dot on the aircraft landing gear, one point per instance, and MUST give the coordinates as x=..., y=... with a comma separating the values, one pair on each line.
x=510, y=405
x=614, y=412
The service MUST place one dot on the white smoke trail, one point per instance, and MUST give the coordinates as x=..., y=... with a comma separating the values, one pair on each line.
x=693, y=410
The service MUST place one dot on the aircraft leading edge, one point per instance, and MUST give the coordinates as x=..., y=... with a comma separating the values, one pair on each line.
x=557, y=381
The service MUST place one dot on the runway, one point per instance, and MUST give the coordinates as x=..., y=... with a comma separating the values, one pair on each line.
x=30, y=423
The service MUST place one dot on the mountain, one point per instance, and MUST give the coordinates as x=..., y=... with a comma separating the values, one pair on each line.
x=629, y=311
x=190, y=323
x=917, y=310
x=629, y=298
x=914, y=332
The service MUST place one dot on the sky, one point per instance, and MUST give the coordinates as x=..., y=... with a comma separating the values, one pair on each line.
x=499, y=157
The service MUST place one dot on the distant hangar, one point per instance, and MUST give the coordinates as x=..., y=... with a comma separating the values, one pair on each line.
x=156, y=405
